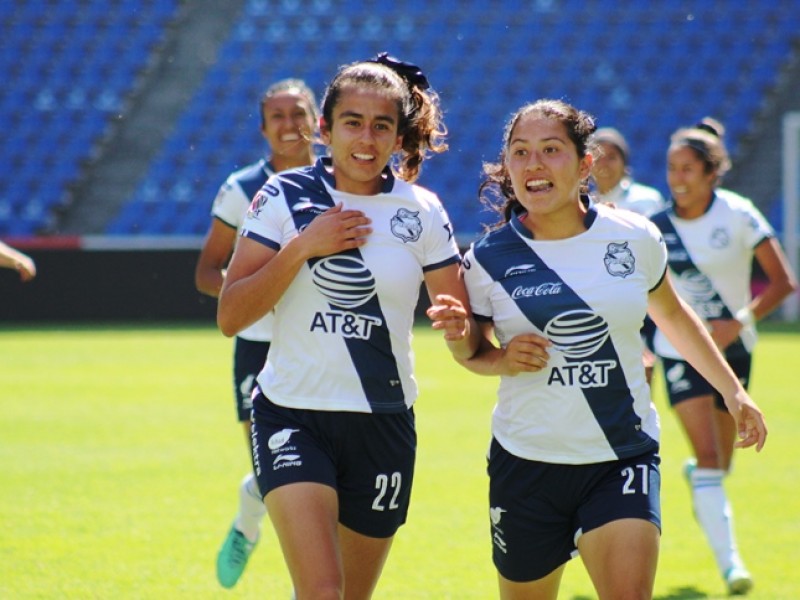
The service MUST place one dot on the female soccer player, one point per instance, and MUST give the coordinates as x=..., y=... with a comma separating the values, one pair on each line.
x=563, y=285
x=712, y=236
x=339, y=251
x=288, y=112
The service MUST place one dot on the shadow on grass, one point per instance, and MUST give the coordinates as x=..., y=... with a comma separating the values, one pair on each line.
x=684, y=593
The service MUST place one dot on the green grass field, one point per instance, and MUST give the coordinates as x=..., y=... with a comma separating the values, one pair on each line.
x=120, y=460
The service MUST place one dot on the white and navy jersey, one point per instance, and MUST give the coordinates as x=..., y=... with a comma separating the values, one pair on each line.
x=634, y=196
x=343, y=328
x=710, y=260
x=588, y=295
x=230, y=206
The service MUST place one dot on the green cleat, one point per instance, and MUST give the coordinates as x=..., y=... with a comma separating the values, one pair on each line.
x=232, y=557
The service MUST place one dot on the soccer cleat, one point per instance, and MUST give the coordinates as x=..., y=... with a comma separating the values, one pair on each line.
x=739, y=581
x=232, y=557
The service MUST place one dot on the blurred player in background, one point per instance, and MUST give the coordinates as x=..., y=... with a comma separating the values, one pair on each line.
x=712, y=237
x=288, y=113
x=615, y=185
x=339, y=250
x=11, y=258
x=559, y=289
x=613, y=178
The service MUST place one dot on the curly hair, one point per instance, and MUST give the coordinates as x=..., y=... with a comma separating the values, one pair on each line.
x=496, y=191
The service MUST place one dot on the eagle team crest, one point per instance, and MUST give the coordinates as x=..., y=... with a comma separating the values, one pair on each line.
x=619, y=260
x=406, y=225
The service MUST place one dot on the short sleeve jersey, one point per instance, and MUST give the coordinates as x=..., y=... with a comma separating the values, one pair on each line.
x=588, y=296
x=710, y=261
x=343, y=328
x=634, y=196
x=230, y=206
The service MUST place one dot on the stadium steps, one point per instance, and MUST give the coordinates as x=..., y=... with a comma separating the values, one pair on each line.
x=189, y=49
x=757, y=167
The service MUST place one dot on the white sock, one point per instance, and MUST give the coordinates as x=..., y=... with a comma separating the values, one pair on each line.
x=251, y=508
x=714, y=514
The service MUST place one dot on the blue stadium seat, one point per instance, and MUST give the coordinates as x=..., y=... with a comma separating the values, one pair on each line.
x=72, y=68
x=644, y=72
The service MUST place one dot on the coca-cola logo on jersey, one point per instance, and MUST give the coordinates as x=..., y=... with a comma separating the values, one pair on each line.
x=550, y=288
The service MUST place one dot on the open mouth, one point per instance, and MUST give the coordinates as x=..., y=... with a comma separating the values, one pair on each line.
x=290, y=137
x=538, y=185
x=360, y=156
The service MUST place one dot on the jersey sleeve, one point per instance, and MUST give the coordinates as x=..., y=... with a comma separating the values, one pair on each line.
x=478, y=284
x=756, y=228
x=266, y=215
x=441, y=248
x=655, y=254
x=230, y=203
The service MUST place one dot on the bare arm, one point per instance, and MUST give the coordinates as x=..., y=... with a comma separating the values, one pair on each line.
x=686, y=332
x=258, y=276
x=780, y=283
x=780, y=280
x=450, y=311
x=23, y=264
x=209, y=272
x=524, y=353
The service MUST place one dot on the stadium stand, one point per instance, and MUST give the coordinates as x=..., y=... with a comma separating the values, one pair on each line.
x=643, y=70
x=68, y=67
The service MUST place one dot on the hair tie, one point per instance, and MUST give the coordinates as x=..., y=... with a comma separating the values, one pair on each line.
x=410, y=72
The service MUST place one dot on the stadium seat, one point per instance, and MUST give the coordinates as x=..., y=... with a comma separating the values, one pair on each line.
x=642, y=71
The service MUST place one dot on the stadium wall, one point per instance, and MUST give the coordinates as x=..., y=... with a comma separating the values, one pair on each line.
x=87, y=279
x=90, y=279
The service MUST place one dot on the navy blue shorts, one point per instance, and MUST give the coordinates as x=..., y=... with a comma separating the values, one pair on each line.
x=539, y=510
x=367, y=458
x=684, y=382
x=248, y=360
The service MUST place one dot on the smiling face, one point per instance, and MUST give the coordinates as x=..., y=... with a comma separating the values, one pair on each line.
x=689, y=182
x=362, y=138
x=609, y=167
x=288, y=123
x=545, y=169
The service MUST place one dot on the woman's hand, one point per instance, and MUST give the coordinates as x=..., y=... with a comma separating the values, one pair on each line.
x=449, y=315
x=525, y=353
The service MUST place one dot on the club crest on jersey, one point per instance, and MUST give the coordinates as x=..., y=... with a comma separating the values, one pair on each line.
x=406, y=225
x=720, y=238
x=619, y=260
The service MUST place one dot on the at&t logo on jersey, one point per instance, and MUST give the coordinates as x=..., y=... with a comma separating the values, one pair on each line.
x=346, y=283
x=701, y=294
x=619, y=260
x=579, y=334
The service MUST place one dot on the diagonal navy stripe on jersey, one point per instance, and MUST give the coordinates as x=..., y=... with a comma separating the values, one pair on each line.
x=685, y=264
x=372, y=358
x=617, y=419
